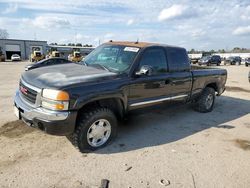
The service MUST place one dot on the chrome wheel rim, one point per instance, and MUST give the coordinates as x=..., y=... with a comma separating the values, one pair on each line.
x=209, y=101
x=99, y=133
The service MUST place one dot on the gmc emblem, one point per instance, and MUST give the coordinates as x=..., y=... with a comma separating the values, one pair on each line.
x=23, y=90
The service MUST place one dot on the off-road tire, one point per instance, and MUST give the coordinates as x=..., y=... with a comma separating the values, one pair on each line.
x=85, y=120
x=201, y=104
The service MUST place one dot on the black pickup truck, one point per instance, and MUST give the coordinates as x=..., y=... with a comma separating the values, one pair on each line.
x=84, y=101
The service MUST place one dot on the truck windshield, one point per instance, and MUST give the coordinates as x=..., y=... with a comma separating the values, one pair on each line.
x=111, y=57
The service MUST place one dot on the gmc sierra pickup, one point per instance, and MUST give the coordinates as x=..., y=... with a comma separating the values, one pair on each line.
x=84, y=101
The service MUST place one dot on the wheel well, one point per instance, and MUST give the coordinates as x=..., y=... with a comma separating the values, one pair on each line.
x=114, y=104
x=213, y=85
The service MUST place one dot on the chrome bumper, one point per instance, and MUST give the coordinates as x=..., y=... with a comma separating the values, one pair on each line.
x=30, y=112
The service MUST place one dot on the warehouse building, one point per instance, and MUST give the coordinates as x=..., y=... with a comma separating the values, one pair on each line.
x=21, y=47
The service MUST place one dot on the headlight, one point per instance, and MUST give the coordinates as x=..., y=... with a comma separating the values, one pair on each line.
x=55, y=99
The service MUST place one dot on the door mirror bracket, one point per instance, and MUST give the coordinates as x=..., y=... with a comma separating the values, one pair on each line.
x=144, y=70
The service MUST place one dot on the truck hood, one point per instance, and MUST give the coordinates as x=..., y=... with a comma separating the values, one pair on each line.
x=58, y=76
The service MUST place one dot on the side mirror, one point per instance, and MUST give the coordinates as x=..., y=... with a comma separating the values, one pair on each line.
x=144, y=70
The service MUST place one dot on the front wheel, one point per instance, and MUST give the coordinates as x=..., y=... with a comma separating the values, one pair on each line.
x=205, y=103
x=94, y=129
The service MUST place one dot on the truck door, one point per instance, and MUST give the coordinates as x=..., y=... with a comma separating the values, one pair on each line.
x=168, y=81
x=179, y=73
x=153, y=88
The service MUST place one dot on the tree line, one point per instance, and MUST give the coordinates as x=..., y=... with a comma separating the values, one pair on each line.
x=72, y=44
x=234, y=50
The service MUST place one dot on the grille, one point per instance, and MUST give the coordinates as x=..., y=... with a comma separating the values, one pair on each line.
x=27, y=93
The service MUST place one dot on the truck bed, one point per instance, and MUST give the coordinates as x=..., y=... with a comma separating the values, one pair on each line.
x=203, y=75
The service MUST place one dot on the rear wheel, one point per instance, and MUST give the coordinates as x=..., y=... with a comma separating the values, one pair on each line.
x=95, y=129
x=205, y=103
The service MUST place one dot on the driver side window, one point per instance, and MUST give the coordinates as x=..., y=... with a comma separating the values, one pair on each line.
x=156, y=59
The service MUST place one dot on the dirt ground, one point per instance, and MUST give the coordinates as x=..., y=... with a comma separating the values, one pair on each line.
x=167, y=146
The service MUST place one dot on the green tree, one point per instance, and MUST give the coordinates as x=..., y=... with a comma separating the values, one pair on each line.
x=79, y=44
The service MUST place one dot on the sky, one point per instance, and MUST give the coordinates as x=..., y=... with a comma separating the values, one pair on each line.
x=202, y=25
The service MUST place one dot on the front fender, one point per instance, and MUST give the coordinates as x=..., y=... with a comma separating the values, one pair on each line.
x=83, y=100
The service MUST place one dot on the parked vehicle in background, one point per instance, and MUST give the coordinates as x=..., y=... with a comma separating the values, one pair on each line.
x=233, y=60
x=84, y=100
x=210, y=60
x=194, y=58
x=15, y=57
x=75, y=56
x=247, y=62
x=54, y=54
x=36, y=56
x=47, y=62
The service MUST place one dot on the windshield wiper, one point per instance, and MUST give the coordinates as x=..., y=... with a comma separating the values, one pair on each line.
x=102, y=66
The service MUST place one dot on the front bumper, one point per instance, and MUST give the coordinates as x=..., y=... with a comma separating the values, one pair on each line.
x=15, y=59
x=49, y=121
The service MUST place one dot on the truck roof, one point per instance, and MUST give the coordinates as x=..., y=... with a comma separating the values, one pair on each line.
x=138, y=44
x=133, y=44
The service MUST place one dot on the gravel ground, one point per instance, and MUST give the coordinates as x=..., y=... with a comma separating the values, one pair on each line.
x=165, y=146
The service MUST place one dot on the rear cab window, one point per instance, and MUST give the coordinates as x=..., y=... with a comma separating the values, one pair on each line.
x=177, y=59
